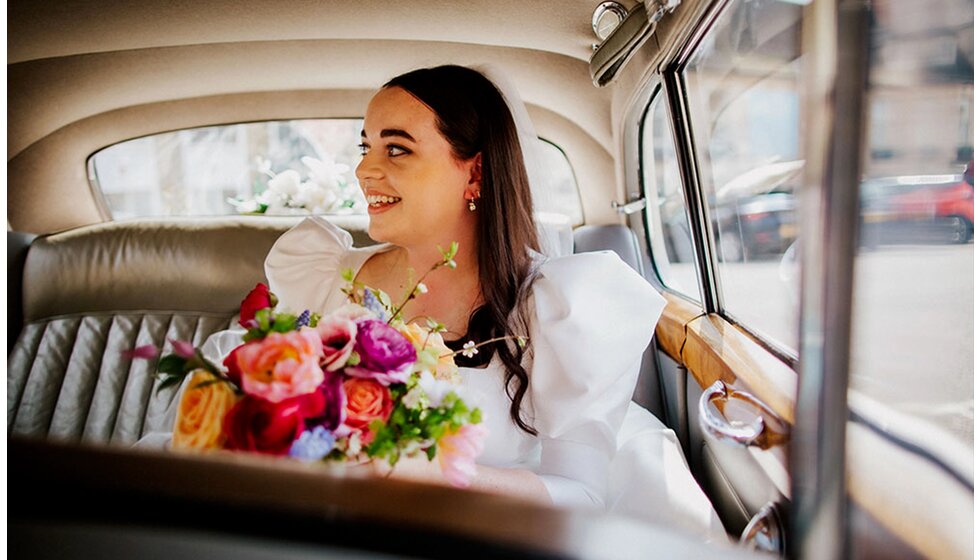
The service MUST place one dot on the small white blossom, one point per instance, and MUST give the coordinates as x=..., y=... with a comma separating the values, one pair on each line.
x=469, y=349
x=354, y=445
x=413, y=397
x=422, y=288
x=435, y=389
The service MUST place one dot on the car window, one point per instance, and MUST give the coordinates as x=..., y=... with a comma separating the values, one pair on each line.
x=274, y=167
x=913, y=333
x=743, y=84
x=671, y=242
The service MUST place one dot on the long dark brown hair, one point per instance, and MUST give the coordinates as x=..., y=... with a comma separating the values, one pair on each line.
x=473, y=117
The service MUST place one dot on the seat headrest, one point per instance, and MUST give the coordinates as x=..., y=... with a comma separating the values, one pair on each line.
x=169, y=264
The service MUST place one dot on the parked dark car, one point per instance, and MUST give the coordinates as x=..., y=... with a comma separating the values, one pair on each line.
x=755, y=227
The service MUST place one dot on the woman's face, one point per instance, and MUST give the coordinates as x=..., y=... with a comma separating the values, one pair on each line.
x=415, y=187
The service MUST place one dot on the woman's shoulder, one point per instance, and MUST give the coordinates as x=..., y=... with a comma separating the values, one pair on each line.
x=593, y=281
x=593, y=310
x=305, y=264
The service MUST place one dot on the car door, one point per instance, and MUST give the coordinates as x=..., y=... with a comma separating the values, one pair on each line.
x=817, y=352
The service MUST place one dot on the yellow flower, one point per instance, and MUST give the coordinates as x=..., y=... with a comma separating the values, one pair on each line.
x=201, y=413
x=433, y=354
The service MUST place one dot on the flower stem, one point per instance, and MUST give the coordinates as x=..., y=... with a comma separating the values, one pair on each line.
x=521, y=341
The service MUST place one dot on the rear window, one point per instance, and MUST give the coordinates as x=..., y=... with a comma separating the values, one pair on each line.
x=292, y=167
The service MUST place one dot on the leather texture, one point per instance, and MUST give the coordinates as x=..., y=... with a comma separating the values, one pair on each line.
x=68, y=379
x=17, y=245
x=91, y=293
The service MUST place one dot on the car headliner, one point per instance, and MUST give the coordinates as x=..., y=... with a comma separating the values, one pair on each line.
x=85, y=75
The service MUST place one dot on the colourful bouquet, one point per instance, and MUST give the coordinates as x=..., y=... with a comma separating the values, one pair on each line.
x=354, y=385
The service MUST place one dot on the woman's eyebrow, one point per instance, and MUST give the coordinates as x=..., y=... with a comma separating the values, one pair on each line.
x=387, y=132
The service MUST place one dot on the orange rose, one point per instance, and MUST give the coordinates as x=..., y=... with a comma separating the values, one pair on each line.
x=201, y=413
x=367, y=401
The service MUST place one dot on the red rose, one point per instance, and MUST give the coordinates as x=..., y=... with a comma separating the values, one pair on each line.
x=231, y=364
x=259, y=298
x=261, y=426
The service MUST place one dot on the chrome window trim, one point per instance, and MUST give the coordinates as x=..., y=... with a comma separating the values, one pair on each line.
x=835, y=44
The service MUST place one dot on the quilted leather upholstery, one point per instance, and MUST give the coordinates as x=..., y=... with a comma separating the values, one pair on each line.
x=92, y=292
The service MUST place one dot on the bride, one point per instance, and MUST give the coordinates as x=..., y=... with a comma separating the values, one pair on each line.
x=443, y=161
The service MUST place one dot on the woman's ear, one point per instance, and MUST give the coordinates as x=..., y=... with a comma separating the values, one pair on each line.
x=476, y=172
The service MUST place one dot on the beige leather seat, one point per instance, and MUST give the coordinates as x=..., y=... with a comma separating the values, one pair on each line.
x=93, y=292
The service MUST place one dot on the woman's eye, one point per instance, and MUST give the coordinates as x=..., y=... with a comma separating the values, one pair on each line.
x=395, y=150
x=363, y=148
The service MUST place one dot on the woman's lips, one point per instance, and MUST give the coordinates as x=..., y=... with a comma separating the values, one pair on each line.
x=380, y=203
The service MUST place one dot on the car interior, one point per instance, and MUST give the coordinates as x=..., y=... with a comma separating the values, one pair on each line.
x=86, y=282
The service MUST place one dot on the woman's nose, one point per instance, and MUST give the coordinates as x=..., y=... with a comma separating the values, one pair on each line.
x=368, y=168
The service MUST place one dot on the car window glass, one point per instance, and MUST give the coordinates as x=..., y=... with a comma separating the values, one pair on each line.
x=743, y=85
x=912, y=334
x=275, y=167
x=671, y=243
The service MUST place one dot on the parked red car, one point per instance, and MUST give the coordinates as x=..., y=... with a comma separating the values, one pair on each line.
x=914, y=209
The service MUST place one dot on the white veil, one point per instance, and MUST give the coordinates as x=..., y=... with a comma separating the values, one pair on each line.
x=554, y=230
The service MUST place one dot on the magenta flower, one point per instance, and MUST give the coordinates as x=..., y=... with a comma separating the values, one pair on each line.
x=385, y=354
x=183, y=349
x=337, y=335
x=335, y=400
x=145, y=352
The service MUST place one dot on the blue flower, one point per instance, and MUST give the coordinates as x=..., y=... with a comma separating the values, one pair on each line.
x=374, y=305
x=303, y=320
x=312, y=445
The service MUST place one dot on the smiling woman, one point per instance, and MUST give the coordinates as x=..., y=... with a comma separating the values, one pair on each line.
x=776, y=189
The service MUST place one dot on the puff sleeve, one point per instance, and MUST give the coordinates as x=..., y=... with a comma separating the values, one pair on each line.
x=594, y=316
x=303, y=266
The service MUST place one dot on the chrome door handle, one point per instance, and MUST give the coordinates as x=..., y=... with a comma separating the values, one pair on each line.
x=746, y=434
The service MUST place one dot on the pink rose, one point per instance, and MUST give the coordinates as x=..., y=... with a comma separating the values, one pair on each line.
x=457, y=452
x=337, y=335
x=281, y=366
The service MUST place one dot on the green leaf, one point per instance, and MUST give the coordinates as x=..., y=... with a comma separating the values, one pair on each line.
x=314, y=320
x=347, y=274
x=283, y=323
x=353, y=359
x=169, y=381
x=430, y=452
x=172, y=364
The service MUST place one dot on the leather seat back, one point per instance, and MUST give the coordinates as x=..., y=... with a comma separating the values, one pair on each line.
x=93, y=292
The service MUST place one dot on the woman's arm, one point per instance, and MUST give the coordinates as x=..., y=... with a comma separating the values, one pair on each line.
x=519, y=483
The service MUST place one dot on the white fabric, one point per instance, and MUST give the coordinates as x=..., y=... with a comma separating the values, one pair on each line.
x=592, y=318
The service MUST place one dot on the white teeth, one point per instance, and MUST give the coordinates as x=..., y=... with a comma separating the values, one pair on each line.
x=375, y=200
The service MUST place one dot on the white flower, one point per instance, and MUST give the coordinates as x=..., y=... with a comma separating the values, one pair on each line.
x=422, y=288
x=286, y=183
x=469, y=349
x=327, y=174
x=413, y=397
x=354, y=445
x=435, y=389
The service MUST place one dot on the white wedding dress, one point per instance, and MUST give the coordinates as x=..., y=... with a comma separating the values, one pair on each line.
x=592, y=318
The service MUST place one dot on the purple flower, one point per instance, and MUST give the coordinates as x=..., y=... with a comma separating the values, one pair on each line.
x=304, y=319
x=385, y=354
x=332, y=389
x=312, y=445
x=373, y=304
